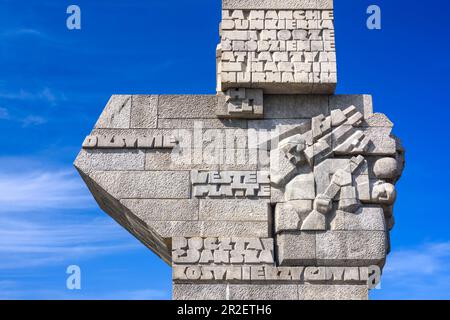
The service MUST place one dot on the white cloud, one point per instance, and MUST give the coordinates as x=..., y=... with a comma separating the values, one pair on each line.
x=44, y=221
x=43, y=94
x=42, y=189
x=420, y=272
x=427, y=259
x=16, y=291
x=54, y=239
x=32, y=120
x=19, y=32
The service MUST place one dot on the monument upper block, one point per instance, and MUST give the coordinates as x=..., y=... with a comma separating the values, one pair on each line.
x=282, y=47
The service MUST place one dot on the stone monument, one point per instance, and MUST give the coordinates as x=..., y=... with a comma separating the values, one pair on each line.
x=275, y=187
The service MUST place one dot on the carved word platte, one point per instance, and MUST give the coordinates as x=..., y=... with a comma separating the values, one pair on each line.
x=230, y=184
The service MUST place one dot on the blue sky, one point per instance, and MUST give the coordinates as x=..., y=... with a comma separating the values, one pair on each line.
x=54, y=84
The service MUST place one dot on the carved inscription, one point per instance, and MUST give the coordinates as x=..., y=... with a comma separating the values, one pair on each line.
x=222, y=251
x=269, y=273
x=129, y=142
x=277, y=46
x=229, y=184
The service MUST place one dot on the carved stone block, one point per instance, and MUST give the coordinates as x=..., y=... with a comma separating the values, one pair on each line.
x=275, y=188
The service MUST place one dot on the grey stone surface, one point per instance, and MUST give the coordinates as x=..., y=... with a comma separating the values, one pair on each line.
x=352, y=248
x=236, y=229
x=336, y=220
x=378, y=120
x=199, y=292
x=296, y=248
x=276, y=195
x=323, y=174
x=315, y=221
x=367, y=247
x=116, y=113
x=144, y=184
x=332, y=247
x=363, y=103
x=242, y=159
x=186, y=159
x=205, y=123
x=144, y=111
x=381, y=141
x=110, y=160
x=333, y=292
x=365, y=219
x=294, y=106
x=187, y=106
x=281, y=168
x=263, y=292
x=302, y=187
x=277, y=4
x=163, y=209
x=282, y=124
x=127, y=219
x=289, y=216
x=386, y=168
x=286, y=218
x=234, y=210
x=168, y=229
x=241, y=103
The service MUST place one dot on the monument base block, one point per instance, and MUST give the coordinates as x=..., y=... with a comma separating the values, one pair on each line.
x=287, y=291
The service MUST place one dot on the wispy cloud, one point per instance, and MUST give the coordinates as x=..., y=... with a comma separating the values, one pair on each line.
x=16, y=291
x=4, y=114
x=44, y=94
x=25, y=120
x=421, y=272
x=49, y=240
x=145, y=294
x=20, y=32
x=42, y=189
x=17, y=112
x=427, y=259
x=32, y=120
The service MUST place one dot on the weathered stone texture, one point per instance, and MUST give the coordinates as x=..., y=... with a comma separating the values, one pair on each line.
x=110, y=160
x=144, y=111
x=363, y=103
x=116, y=114
x=333, y=292
x=355, y=248
x=187, y=106
x=205, y=123
x=168, y=229
x=234, y=210
x=263, y=292
x=145, y=184
x=199, y=292
x=163, y=209
x=294, y=106
x=296, y=248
